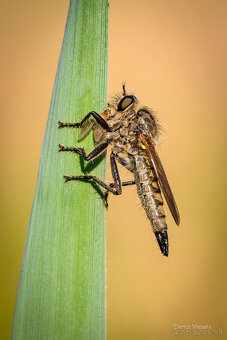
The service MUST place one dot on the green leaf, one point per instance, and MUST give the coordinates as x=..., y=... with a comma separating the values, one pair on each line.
x=61, y=294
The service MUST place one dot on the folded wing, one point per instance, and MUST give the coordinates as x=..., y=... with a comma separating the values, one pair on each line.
x=162, y=179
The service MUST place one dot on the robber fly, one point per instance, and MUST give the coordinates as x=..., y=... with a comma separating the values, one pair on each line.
x=132, y=132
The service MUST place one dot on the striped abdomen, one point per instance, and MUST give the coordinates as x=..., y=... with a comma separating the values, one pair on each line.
x=149, y=192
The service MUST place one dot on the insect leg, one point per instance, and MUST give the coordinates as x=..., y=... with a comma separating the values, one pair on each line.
x=125, y=162
x=93, y=154
x=61, y=124
x=116, y=190
x=124, y=184
x=112, y=185
x=100, y=120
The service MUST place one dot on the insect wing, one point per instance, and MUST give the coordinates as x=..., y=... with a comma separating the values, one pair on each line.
x=98, y=130
x=98, y=133
x=87, y=126
x=164, y=184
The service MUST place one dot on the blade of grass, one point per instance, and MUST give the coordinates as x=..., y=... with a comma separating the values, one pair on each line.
x=61, y=293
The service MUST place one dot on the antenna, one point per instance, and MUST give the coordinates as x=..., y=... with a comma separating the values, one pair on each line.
x=124, y=90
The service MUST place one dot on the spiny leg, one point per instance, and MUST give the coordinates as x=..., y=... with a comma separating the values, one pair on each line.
x=124, y=184
x=100, y=120
x=93, y=154
x=127, y=164
x=115, y=189
x=112, y=185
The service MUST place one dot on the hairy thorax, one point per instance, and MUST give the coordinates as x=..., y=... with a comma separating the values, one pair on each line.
x=126, y=129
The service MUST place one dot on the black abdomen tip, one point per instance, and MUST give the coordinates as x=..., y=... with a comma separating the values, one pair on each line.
x=162, y=238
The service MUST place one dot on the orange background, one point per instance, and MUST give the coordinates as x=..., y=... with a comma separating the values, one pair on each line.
x=172, y=55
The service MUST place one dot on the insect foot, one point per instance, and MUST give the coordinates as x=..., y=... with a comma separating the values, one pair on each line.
x=105, y=199
x=67, y=178
x=61, y=147
x=60, y=124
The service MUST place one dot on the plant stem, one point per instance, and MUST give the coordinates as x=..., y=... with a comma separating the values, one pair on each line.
x=61, y=293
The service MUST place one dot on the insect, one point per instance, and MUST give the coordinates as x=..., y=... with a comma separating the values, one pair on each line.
x=132, y=131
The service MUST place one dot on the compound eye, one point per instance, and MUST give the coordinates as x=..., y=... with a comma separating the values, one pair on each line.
x=125, y=102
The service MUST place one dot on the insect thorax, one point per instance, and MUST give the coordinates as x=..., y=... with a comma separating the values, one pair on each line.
x=128, y=126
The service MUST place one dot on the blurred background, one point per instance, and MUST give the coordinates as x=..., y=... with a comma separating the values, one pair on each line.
x=172, y=55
